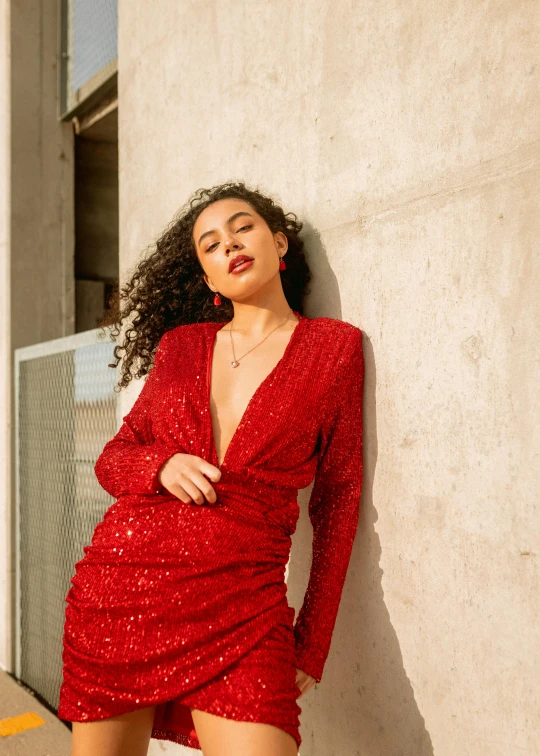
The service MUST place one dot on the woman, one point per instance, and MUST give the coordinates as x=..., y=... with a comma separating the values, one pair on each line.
x=177, y=624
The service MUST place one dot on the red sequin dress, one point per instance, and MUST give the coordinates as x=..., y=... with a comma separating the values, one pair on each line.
x=183, y=605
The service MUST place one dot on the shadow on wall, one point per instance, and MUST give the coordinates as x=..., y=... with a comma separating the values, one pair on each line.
x=365, y=703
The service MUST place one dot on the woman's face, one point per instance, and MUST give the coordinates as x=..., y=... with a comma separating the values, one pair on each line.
x=231, y=227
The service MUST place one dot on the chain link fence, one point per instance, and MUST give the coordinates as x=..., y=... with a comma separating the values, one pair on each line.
x=66, y=410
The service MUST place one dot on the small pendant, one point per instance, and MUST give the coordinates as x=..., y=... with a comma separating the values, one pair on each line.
x=234, y=363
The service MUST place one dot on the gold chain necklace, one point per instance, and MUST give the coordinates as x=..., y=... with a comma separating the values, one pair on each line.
x=235, y=362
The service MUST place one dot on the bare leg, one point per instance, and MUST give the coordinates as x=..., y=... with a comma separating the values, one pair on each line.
x=219, y=736
x=125, y=735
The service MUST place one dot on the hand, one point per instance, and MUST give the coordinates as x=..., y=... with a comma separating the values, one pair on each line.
x=304, y=681
x=183, y=475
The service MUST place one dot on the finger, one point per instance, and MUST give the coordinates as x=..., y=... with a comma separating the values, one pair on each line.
x=192, y=490
x=182, y=491
x=211, y=471
x=204, y=486
x=177, y=490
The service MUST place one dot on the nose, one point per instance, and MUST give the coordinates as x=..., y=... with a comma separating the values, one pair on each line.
x=231, y=244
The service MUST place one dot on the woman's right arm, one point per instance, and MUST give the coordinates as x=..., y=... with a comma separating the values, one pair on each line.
x=131, y=460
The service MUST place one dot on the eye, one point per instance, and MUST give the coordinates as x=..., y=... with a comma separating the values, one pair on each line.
x=240, y=229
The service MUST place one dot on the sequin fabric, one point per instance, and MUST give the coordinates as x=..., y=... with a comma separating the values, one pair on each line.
x=181, y=605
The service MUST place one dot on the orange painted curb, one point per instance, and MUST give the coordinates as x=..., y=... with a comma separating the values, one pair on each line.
x=13, y=725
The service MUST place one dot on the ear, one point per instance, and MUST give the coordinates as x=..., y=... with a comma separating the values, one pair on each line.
x=282, y=243
x=208, y=284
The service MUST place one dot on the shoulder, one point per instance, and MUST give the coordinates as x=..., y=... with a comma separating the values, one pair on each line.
x=338, y=344
x=334, y=325
x=185, y=332
x=336, y=334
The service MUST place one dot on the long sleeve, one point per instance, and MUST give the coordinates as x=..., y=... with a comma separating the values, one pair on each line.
x=131, y=460
x=333, y=510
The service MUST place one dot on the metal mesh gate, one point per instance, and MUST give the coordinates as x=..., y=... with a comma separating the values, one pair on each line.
x=66, y=412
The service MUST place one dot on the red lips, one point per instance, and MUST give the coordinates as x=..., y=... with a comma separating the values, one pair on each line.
x=238, y=259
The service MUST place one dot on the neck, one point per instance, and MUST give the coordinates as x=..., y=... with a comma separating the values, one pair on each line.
x=259, y=320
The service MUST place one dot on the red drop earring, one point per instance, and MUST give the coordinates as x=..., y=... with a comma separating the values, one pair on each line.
x=217, y=299
x=282, y=265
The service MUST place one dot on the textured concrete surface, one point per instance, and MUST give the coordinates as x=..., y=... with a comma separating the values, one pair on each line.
x=36, y=235
x=52, y=738
x=405, y=136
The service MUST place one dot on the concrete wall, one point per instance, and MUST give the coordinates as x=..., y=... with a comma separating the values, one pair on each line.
x=36, y=233
x=406, y=136
x=41, y=182
x=5, y=341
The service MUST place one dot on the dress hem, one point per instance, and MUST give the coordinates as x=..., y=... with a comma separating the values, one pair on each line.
x=176, y=737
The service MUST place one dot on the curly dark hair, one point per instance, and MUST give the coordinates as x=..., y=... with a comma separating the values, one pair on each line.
x=167, y=289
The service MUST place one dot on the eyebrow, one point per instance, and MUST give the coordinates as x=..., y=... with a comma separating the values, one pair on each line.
x=229, y=221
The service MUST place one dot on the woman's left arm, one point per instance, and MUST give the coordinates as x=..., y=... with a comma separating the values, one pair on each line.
x=333, y=510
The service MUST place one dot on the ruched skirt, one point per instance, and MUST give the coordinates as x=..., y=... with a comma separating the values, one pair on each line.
x=184, y=606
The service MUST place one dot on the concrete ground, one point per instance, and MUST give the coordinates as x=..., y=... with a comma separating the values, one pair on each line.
x=52, y=738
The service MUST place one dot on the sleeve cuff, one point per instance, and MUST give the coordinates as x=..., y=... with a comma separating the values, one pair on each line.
x=155, y=457
x=311, y=661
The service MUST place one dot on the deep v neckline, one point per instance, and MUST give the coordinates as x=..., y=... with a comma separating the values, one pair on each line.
x=256, y=394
